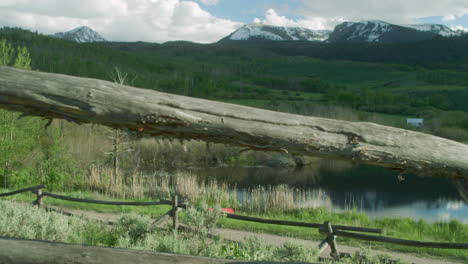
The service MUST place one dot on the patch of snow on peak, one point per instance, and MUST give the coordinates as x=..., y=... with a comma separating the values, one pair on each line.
x=80, y=35
x=270, y=32
x=290, y=32
x=78, y=29
x=377, y=22
x=434, y=28
x=379, y=29
x=253, y=30
x=372, y=30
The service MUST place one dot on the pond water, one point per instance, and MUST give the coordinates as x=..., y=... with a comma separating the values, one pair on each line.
x=341, y=186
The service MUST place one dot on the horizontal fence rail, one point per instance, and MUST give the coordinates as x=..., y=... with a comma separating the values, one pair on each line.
x=327, y=229
x=399, y=241
x=301, y=224
x=35, y=188
x=67, y=198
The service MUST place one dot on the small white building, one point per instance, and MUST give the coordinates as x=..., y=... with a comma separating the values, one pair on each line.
x=417, y=122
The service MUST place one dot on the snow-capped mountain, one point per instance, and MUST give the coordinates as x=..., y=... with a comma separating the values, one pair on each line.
x=379, y=31
x=258, y=31
x=436, y=29
x=80, y=35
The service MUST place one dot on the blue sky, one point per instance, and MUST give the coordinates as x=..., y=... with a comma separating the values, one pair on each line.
x=247, y=10
x=208, y=21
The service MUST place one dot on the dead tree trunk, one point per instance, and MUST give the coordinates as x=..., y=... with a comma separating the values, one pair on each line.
x=83, y=100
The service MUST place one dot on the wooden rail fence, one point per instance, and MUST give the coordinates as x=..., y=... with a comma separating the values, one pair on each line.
x=327, y=229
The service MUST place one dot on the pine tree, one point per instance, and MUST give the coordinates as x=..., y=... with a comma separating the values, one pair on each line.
x=17, y=138
x=6, y=53
x=23, y=59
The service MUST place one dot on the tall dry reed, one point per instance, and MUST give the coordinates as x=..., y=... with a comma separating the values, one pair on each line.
x=162, y=185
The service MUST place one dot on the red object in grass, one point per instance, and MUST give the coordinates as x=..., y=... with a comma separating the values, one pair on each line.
x=226, y=210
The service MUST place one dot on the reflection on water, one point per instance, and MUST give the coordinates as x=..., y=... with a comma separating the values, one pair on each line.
x=343, y=186
x=440, y=210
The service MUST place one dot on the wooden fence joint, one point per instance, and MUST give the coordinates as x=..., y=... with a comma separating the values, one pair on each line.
x=39, y=198
x=331, y=240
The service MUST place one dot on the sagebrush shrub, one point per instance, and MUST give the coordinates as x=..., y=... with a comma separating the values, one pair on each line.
x=132, y=227
x=294, y=252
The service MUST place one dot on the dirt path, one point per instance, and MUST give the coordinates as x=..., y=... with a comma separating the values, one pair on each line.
x=276, y=240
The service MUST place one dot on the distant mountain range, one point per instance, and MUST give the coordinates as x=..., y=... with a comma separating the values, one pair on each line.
x=80, y=35
x=364, y=31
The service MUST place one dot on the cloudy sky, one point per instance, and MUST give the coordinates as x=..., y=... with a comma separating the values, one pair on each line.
x=209, y=20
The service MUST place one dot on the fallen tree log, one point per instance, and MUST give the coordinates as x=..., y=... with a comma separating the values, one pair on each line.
x=84, y=100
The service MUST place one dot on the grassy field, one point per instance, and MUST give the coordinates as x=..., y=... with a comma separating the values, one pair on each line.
x=453, y=231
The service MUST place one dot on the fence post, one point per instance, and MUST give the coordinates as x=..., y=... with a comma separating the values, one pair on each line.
x=331, y=241
x=175, y=204
x=5, y=174
x=39, y=202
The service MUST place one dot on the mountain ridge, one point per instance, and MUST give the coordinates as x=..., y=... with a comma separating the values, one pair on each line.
x=357, y=32
x=259, y=31
x=380, y=31
x=363, y=31
x=439, y=29
x=81, y=34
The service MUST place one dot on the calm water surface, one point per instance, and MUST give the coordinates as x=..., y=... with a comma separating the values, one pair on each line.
x=340, y=186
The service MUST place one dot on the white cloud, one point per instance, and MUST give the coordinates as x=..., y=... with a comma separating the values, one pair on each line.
x=316, y=22
x=449, y=17
x=459, y=27
x=209, y=2
x=119, y=20
x=395, y=11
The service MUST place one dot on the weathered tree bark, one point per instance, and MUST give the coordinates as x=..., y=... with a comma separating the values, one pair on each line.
x=88, y=100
